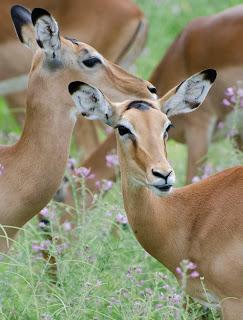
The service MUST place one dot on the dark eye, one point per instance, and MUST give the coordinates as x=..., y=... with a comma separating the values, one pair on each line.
x=123, y=130
x=91, y=62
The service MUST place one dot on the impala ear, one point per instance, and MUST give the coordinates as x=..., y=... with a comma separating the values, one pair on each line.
x=91, y=103
x=189, y=95
x=47, y=33
x=21, y=18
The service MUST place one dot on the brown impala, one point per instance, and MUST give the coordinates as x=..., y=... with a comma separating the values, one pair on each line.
x=117, y=29
x=201, y=222
x=34, y=166
x=207, y=42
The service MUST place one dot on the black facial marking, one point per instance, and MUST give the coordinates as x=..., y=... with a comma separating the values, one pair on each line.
x=139, y=105
x=40, y=44
x=20, y=16
x=74, y=41
x=37, y=13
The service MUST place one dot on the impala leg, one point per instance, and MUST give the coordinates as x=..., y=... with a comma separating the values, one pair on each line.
x=197, y=139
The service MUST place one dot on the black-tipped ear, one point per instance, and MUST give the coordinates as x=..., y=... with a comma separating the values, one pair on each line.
x=38, y=13
x=189, y=95
x=21, y=17
x=74, y=86
x=209, y=74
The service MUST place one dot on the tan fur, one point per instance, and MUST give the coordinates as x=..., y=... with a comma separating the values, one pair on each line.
x=207, y=42
x=34, y=166
x=117, y=29
x=201, y=222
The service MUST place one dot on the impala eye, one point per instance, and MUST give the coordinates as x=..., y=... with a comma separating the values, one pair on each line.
x=123, y=130
x=91, y=62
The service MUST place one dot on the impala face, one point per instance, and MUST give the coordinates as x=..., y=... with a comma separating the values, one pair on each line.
x=58, y=61
x=142, y=126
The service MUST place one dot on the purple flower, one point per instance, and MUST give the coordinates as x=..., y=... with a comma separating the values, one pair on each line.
x=44, y=212
x=67, y=226
x=220, y=125
x=175, y=299
x=196, y=179
x=194, y=274
x=240, y=92
x=38, y=247
x=84, y=173
x=229, y=92
x=112, y=160
x=104, y=185
x=179, y=271
x=121, y=219
x=191, y=266
x=226, y=102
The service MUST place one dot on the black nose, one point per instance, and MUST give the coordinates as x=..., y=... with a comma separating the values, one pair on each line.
x=152, y=89
x=160, y=175
x=84, y=114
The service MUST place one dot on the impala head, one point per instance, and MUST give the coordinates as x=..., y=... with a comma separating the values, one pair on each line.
x=142, y=126
x=58, y=60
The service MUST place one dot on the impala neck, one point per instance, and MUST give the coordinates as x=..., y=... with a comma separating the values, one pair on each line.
x=158, y=223
x=34, y=167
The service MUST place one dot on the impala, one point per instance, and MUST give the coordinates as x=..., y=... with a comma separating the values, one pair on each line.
x=34, y=166
x=201, y=222
x=120, y=38
x=206, y=42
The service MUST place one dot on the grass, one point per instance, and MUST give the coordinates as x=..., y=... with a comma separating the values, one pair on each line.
x=101, y=276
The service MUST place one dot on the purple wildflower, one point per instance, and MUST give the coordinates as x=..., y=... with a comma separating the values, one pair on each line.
x=38, y=247
x=229, y=92
x=226, y=102
x=44, y=212
x=104, y=184
x=179, y=271
x=112, y=160
x=194, y=274
x=196, y=179
x=84, y=173
x=220, y=125
x=176, y=299
x=191, y=266
x=121, y=219
x=67, y=226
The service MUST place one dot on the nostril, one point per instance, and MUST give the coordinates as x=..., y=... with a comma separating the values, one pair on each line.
x=152, y=89
x=158, y=174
